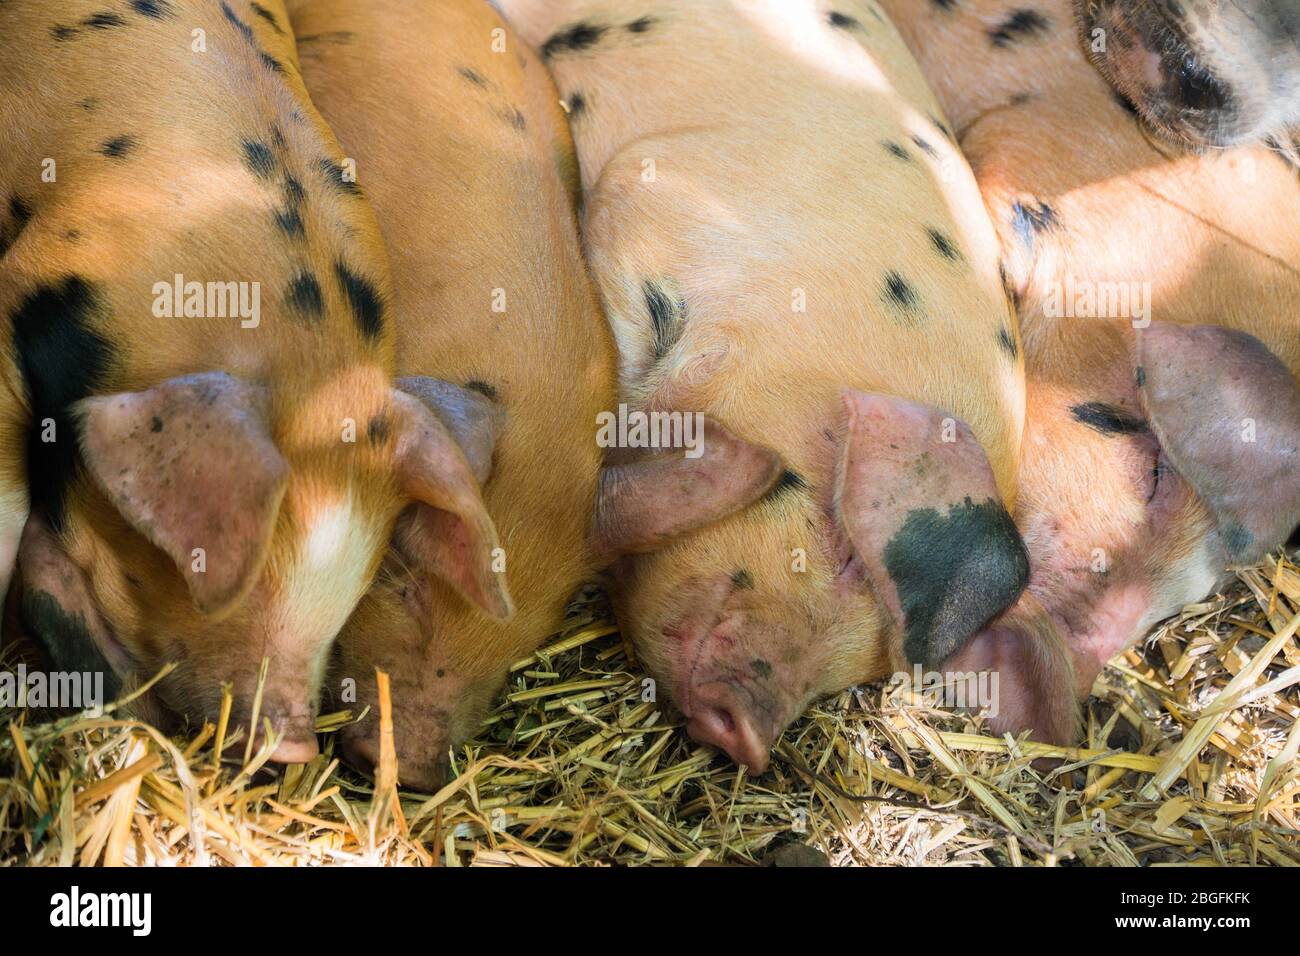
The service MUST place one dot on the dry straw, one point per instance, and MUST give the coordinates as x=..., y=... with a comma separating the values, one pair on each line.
x=1190, y=758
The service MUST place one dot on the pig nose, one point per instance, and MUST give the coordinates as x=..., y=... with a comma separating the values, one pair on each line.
x=422, y=775
x=297, y=738
x=721, y=718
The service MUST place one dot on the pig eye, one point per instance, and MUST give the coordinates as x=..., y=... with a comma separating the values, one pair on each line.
x=1158, y=467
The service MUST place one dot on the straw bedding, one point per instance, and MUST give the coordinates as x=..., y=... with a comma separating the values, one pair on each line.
x=1190, y=758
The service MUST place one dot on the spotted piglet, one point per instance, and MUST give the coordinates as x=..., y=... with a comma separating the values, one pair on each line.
x=198, y=411
x=472, y=174
x=790, y=248
x=1157, y=298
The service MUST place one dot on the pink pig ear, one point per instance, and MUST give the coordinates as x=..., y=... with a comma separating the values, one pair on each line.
x=642, y=505
x=190, y=464
x=916, y=495
x=448, y=533
x=1227, y=413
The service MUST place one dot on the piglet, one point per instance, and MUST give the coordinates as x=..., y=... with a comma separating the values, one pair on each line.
x=1157, y=299
x=802, y=283
x=472, y=174
x=197, y=349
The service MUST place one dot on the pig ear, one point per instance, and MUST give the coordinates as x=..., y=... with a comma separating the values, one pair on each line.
x=190, y=464
x=642, y=505
x=916, y=496
x=447, y=532
x=474, y=420
x=1227, y=413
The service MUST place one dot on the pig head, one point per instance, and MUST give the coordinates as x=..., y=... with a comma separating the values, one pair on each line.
x=1209, y=73
x=1150, y=468
x=196, y=531
x=752, y=589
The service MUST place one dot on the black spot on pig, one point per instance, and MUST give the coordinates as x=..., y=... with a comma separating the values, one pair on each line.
x=62, y=360
x=118, y=147
x=239, y=24
x=258, y=158
x=483, y=388
x=62, y=32
x=574, y=39
x=1021, y=24
x=899, y=292
x=953, y=573
x=1108, y=419
x=104, y=21
x=942, y=127
x=1236, y=539
x=154, y=9
x=924, y=145
x=20, y=213
x=944, y=245
x=473, y=76
x=289, y=221
x=268, y=16
x=945, y=4
x=88, y=104
x=270, y=62
x=65, y=637
x=761, y=668
x=304, y=296
x=641, y=24
x=667, y=317
x=842, y=21
x=1141, y=377
x=896, y=150
x=1007, y=342
x=512, y=116
x=363, y=298
x=293, y=191
x=378, y=429
x=742, y=580
x=577, y=104
x=1031, y=219
x=337, y=176
x=789, y=483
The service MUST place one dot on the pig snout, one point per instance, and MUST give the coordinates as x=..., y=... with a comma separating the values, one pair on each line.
x=294, y=727
x=726, y=715
x=426, y=771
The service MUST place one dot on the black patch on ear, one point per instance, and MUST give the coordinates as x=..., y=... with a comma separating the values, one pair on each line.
x=334, y=176
x=1031, y=219
x=953, y=574
x=363, y=298
x=62, y=360
x=667, y=318
x=897, y=150
x=842, y=21
x=574, y=39
x=1108, y=419
x=945, y=246
x=65, y=637
x=483, y=388
x=118, y=147
x=641, y=25
x=104, y=20
x=789, y=483
x=258, y=158
x=268, y=16
x=1007, y=341
x=304, y=296
x=1021, y=23
x=474, y=76
x=155, y=9
x=899, y=292
x=742, y=580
